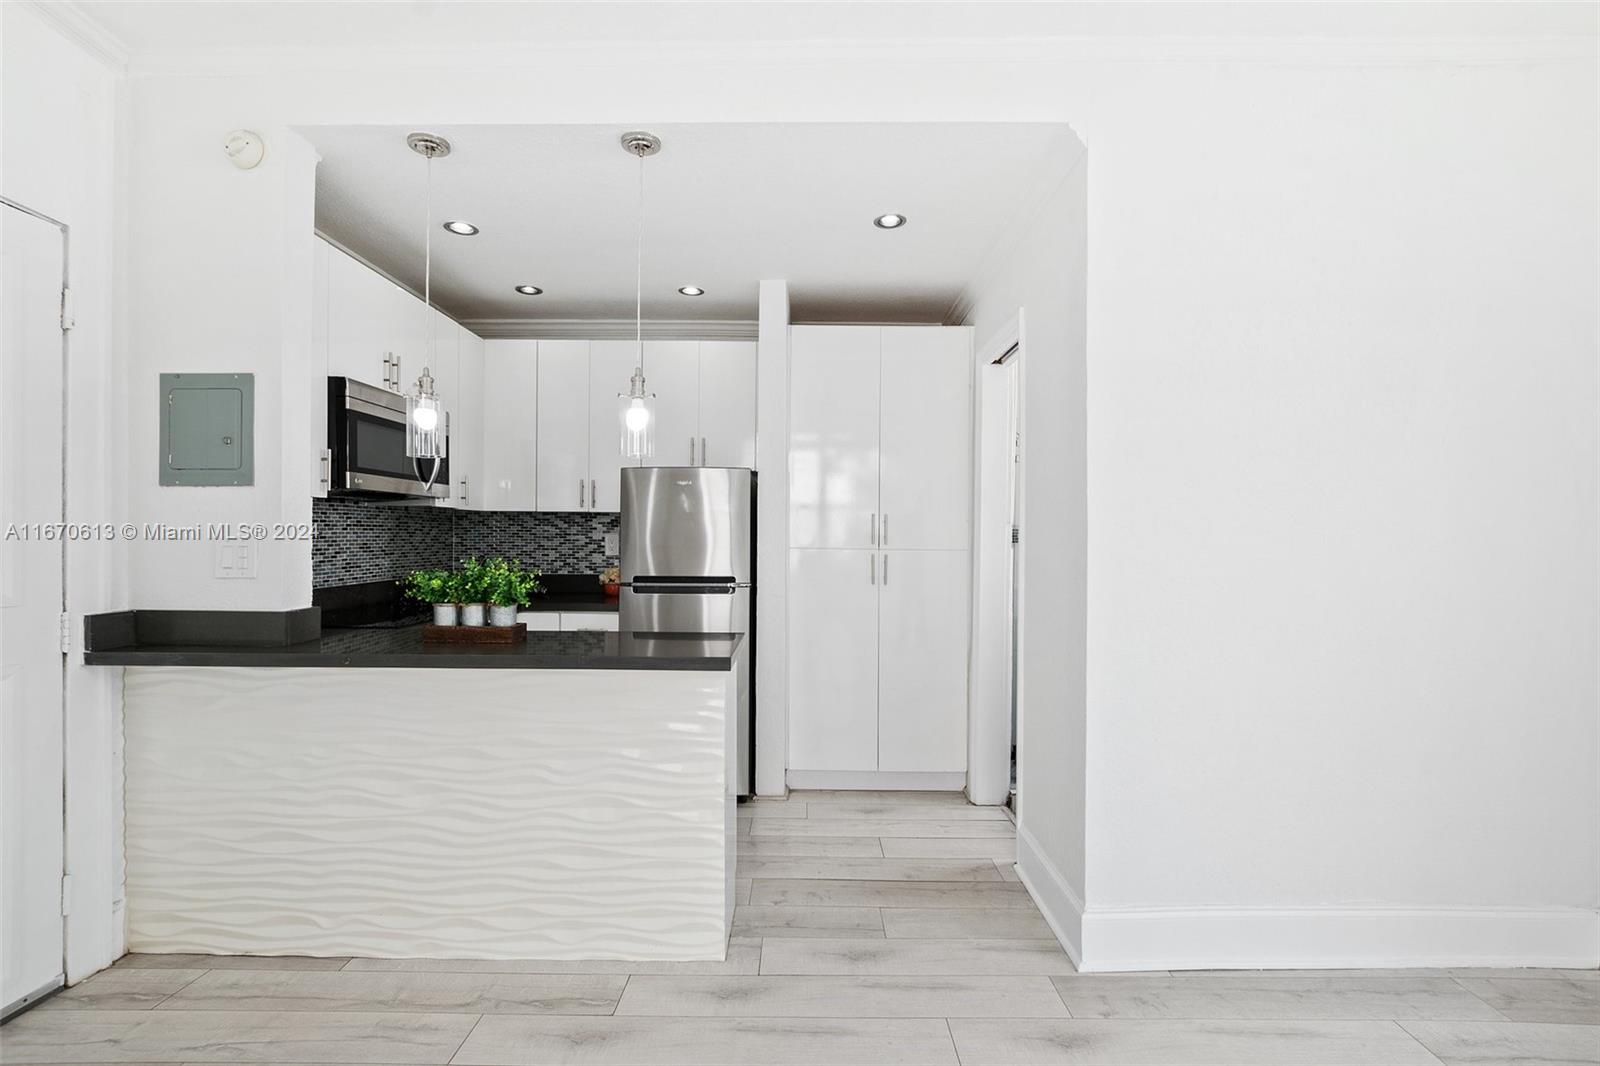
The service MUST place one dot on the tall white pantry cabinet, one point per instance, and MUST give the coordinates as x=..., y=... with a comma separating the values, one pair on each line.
x=879, y=534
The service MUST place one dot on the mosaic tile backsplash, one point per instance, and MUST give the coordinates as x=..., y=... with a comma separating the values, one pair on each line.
x=359, y=540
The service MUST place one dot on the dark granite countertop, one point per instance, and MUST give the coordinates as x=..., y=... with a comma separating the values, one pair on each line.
x=556, y=601
x=404, y=648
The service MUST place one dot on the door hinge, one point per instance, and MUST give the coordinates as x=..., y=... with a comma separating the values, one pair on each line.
x=66, y=894
x=67, y=318
x=1016, y=534
x=65, y=623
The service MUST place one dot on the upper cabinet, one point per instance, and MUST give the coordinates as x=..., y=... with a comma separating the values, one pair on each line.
x=924, y=438
x=510, y=388
x=879, y=437
x=563, y=426
x=366, y=327
x=833, y=436
x=534, y=425
x=361, y=326
x=469, y=426
x=727, y=403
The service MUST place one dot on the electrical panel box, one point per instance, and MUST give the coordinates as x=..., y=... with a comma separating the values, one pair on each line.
x=208, y=429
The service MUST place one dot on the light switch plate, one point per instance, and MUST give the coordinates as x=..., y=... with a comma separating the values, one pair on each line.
x=236, y=559
x=613, y=545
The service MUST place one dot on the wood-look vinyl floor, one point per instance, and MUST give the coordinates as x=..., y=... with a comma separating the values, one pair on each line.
x=872, y=928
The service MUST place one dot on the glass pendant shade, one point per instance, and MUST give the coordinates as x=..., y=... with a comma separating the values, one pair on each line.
x=425, y=422
x=636, y=414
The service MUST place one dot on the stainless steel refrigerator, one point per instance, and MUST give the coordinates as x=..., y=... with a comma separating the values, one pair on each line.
x=688, y=566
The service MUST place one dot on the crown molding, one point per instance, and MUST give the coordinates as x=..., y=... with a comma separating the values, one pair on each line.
x=594, y=329
x=518, y=56
x=73, y=23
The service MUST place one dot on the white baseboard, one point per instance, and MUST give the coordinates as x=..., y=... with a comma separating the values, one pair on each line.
x=885, y=780
x=1335, y=937
x=1061, y=906
x=1283, y=938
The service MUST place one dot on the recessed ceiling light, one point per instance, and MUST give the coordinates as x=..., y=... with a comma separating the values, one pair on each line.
x=464, y=229
x=529, y=290
x=692, y=290
x=890, y=221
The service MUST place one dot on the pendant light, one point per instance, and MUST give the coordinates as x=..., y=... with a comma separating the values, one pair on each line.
x=427, y=424
x=636, y=408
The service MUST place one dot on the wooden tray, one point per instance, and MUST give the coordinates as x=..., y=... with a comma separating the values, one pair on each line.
x=432, y=634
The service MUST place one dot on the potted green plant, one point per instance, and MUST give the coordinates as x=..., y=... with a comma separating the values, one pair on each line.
x=509, y=587
x=472, y=589
x=434, y=587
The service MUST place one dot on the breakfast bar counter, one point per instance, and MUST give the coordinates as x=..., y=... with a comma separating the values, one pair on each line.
x=363, y=793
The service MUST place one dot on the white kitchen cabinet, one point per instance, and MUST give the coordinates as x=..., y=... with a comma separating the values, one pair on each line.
x=922, y=661
x=510, y=390
x=563, y=426
x=590, y=622
x=611, y=366
x=925, y=438
x=440, y=355
x=361, y=321
x=317, y=370
x=467, y=433
x=727, y=403
x=833, y=436
x=672, y=372
x=879, y=471
x=833, y=660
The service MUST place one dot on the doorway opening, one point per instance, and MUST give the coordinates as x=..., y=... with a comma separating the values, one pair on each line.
x=995, y=697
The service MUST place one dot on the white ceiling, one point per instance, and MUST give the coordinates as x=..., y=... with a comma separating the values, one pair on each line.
x=175, y=27
x=726, y=207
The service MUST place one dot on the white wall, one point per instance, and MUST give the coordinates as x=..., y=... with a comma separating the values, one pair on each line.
x=220, y=281
x=1342, y=512
x=1341, y=593
x=1041, y=273
x=58, y=108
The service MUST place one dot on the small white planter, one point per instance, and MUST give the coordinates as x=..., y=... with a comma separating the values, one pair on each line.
x=472, y=614
x=444, y=614
x=502, y=616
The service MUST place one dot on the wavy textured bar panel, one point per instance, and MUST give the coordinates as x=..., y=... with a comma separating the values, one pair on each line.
x=496, y=814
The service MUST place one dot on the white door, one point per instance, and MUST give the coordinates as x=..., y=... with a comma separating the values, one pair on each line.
x=922, y=661
x=510, y=426
x=360, y=331
x=672, y=372
x=925, y=449
x=833, y=660
x=611, y=365
x=563, y=426
x=728, y=403
x=833, y=436
x=317, y=372
x=31, y=768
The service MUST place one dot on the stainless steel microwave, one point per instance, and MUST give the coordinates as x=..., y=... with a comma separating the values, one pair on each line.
x=367, y=445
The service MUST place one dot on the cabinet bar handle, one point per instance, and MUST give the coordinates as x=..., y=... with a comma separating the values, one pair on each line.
x=885, y=568
x=872, y=568
x=691, y=451
x=874, y=534
x=594, y=494
x=702, y=451
x=886, y=529
x=581, y=504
